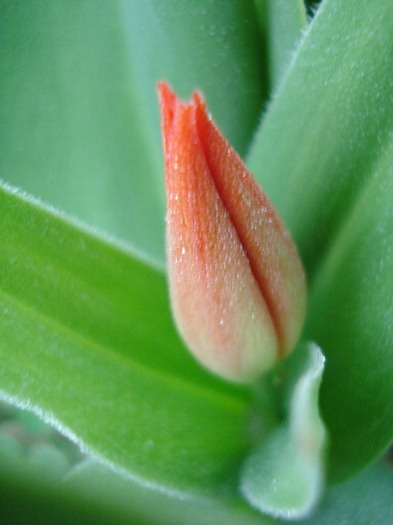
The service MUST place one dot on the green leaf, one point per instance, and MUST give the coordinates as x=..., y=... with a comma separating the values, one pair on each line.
x=351, y=312
x=283, y=475
x=283, y=22
x=316, y=146
x=324, y=155
x=75, y=132
x=87, y=342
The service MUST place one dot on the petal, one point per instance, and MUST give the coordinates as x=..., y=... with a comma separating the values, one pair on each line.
x=227, y=249
x=266, y=240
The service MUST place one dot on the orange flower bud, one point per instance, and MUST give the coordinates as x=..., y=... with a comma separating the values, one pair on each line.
x=237, y=286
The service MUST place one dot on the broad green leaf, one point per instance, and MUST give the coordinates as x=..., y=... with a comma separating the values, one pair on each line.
x=352, y=293
x=74, y=129
x=87, y=342
x=283, y=22
x=283, y=475
x=324, y=155
x=212, y=46
x=329, y=122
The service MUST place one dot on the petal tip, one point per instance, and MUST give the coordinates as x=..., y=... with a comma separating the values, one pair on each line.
x=168, y=101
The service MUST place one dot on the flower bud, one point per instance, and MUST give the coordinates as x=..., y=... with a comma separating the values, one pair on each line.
x=237, y=286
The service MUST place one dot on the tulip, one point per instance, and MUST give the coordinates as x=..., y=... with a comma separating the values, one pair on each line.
x=236, y=283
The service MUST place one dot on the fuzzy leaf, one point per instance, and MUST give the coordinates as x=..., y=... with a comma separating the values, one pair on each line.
x=351, y=313
x=284, y=474
x=75, y=128
x=87, y=342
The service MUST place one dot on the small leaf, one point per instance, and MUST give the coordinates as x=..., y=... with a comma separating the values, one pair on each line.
x=283, y=476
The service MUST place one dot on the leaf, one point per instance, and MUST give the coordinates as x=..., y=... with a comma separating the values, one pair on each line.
x=352, y=294
x=316, y=145
x=75, y=132
x=283, y=476
x=87, y=342
x=324, y=154
x=283, y=22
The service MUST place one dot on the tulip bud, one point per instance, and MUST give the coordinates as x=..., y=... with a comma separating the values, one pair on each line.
x=237, y=286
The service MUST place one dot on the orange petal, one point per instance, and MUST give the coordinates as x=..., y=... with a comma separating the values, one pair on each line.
x=237, y=286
